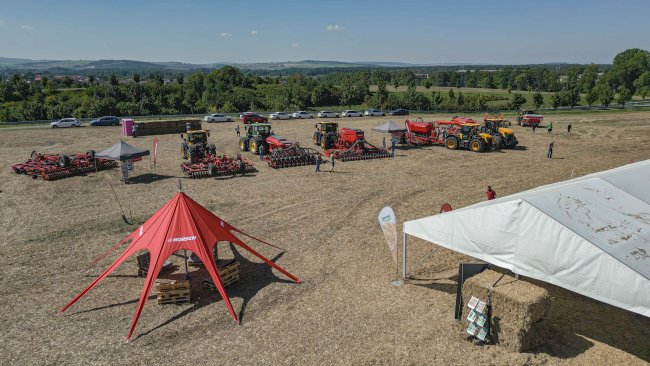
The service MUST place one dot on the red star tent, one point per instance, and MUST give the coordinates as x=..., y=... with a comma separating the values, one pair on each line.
x=181, y=224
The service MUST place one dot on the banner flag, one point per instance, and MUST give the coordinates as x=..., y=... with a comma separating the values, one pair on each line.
x=155, y=150
x=388, y=225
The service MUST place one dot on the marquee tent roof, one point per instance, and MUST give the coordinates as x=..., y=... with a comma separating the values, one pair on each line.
x=180, y=224
x=590, y=235
x=122, y=151
x=389, y=127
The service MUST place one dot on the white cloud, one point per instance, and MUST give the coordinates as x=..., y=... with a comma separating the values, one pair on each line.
x=225, y=34
x=334, y=28
x=27, y=27
x=254, y=32
x=295, y=45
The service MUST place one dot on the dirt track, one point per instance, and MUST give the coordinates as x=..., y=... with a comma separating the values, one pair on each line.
x=345, y=311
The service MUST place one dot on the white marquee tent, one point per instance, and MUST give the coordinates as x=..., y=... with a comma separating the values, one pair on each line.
x=590, y=235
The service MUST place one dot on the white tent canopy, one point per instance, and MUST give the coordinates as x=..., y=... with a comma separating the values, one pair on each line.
x=590, y=235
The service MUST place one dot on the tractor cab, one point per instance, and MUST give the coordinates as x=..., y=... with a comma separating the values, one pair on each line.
x=255, y=138
x=195, y=145
x=325, y=134
x=195, y=137
x=259, y=129
x=496, y=126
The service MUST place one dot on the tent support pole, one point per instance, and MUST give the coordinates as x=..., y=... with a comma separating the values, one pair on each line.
x=404, y=256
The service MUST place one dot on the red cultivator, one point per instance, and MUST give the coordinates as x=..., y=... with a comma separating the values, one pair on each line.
x=51, y=167
x=351, y=145
x=293, y=155
x=216, y=166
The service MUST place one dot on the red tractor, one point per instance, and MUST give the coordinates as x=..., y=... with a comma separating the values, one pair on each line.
x=350, y=144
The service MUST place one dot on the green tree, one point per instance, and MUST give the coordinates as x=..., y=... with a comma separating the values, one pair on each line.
x=556, y=100
x=428, y=84
x=588, y=78
x=642, y=84
x=517, y=101
x=628, y=66
x=624, y=95
x=451, y=95
x=114, y=80
x=180, y=78
x=605, y=93
x=67, y=82
x=136, y=78
x=538, y=100
x=460, y=100
x=91, y=79
x=591, y=96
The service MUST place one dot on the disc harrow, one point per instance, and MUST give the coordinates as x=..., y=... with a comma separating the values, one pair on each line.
x=359, y=150
x=217, y=166
x=291, y=156
x=53, y=167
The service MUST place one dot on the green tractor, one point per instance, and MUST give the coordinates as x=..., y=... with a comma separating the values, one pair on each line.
x=196, y=146
x=256, y=134
x=325, y=134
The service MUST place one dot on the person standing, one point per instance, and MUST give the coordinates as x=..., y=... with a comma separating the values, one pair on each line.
x=262, y=150
x=383, y=141
x=491, y=194
x=549, y=128
x=549, y=154
x=318, y=163
x=333, y=162
x=237, y=130
x=534, y=127
x=568, y=128
x=392, y=147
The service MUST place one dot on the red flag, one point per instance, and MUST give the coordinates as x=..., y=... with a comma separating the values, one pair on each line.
x=155, y=150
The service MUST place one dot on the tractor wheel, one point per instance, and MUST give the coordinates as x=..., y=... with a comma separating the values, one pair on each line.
x=475, y=145
x=451, y=143
x=497, y=143
x=253, y=146
x=314, y=139
x=64, y=161
x=243, y=144
x=212, y=170
x=212, y=150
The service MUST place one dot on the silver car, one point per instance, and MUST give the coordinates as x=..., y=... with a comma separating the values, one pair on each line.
x=66, y=122
x=280, y=115
x=302, y=114
x=328, y=114
x=351, y=113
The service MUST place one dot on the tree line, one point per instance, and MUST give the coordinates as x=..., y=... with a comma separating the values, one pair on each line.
x=230, y=90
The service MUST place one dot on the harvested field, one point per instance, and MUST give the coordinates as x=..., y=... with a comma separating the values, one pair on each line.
x=345, y=311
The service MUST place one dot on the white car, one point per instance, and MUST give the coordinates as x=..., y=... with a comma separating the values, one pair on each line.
x=217, y=118
x=328, y=114
x=66, y=122
x=351, y=113
x=374, y=112
x=302, y=114
x=280, y=115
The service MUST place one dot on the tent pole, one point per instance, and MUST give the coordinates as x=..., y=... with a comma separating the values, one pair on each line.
x=187, y=273
x=404, y=256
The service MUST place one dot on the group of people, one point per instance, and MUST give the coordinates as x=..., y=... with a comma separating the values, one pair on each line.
x=320, y=161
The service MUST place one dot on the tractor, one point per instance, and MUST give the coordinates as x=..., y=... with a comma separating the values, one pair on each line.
x=255, y=137
x=325, y=135
x=195, y=146
x=503, y=137
x=466, y=135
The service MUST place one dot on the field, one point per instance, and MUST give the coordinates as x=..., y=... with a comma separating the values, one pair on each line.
x=345, y=311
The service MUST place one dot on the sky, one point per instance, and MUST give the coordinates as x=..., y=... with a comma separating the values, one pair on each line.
x=418, y=31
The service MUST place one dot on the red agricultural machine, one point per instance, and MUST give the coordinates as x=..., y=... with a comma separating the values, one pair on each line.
x=529, y=118
x=459, y=132
x=212, y=165
x=278, y=151
x=350, y=144
x=52, y=167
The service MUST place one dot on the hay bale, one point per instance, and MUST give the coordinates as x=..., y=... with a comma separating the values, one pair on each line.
x=147, y=128
x=519, y=309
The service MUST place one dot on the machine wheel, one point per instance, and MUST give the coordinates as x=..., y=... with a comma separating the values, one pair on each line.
x=253, y=146
x=314, y=138
x=243, y=144
x=497, y=143
x=212, y=150
x=64, y=161
x=212, y=170
x=451, y=143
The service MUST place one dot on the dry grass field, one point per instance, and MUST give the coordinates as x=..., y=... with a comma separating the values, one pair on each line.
x=345, y=311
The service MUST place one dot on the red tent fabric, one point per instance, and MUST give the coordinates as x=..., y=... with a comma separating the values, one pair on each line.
x=180, y=224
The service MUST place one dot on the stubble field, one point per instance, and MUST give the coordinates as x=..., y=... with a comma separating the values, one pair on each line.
x=345, y=311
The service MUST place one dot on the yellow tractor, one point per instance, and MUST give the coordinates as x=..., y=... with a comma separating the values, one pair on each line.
x=195, y=145
x=325, y=134
x=465, y=135
x=504, y=137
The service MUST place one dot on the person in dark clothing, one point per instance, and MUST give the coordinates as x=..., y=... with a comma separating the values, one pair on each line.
x=318, y=160
x=392, y=147
x=534, y=127
x=262, y=151
x=549, y=154
x=568, y=128
x=333, y=162
x=237, y=130
x=490, y=193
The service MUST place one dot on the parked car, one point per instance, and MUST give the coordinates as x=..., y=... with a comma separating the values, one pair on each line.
x=399, y=112
x=216, y=117
x=374, y=112
x=66, y=122
x=253, y=118
x=245, y=113
x=280, y=115
x=351, y=113
x=105, y=121
x=302, y=115
x=328, y=114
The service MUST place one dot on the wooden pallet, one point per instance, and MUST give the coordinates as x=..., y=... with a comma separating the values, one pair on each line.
x=229, y=274
x=172, y=291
